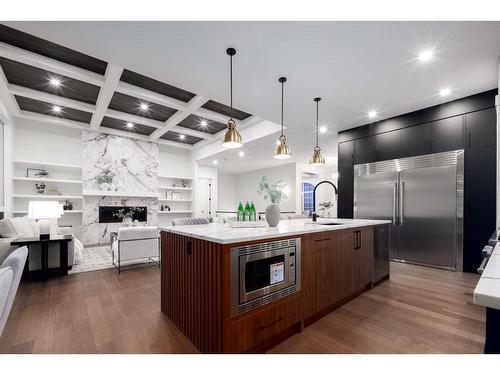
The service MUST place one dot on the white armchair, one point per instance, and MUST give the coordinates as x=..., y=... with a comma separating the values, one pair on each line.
x=132, y=244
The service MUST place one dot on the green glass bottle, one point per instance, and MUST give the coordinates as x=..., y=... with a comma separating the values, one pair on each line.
x=253, y=213
x=240, y=213
x=247, y=212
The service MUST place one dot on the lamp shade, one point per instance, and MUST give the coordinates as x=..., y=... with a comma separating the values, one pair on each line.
x=45, y=210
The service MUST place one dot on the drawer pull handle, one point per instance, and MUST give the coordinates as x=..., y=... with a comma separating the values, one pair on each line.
x=264, y=326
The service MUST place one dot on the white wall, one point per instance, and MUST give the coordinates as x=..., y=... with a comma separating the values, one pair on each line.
x=175, y=162
x=226, y=192
x=202, y=171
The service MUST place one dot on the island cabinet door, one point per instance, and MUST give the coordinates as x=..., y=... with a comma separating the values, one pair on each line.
x=321, y=271
x=358, y=259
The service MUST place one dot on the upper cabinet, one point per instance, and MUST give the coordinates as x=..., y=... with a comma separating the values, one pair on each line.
x=387, y=145
x=480, y=128
x=364, y=150
x=446, y=134
x=414, y=140
x=346, y=154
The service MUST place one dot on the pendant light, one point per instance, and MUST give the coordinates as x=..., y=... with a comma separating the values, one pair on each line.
x=232, y=139
x=282, y=150
x=317, y=159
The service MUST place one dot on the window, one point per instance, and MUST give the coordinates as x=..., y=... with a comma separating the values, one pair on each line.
x=307, y=197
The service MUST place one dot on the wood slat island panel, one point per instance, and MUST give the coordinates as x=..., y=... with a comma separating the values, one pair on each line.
x=192, y=274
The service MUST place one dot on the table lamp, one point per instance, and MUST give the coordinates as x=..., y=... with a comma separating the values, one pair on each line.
x=43, y=211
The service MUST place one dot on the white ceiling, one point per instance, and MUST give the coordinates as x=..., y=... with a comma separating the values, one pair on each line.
x=353, y=66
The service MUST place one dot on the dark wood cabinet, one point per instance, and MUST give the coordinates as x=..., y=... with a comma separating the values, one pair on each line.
x=446, y=134
x=253, y=330
x=336, y=265
x=346, y=192
x=480, y=128
x=415, y=140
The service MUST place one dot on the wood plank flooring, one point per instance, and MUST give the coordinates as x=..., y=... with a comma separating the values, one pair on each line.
x=420, y=310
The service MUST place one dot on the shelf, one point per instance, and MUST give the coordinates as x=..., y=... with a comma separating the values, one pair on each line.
x=175, y=177
x=175, y=200
x=49, y=165
x=42, y=196
x=34, y=179
x=65, y=212
x=175, y=188
x=175, y=212
x=103, y=193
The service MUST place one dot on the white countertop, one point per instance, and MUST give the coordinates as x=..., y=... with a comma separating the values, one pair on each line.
x=224, y=234
x=487, y=292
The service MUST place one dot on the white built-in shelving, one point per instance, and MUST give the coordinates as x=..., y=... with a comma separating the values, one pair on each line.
x=63, y=183
x=178, y=198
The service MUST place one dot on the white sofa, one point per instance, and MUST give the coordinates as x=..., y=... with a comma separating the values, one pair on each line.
x=10, y=275
x=133, y=244
x=12, y=228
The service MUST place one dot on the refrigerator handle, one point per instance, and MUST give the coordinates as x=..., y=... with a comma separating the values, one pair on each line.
x=401, y=202
x=395, y=204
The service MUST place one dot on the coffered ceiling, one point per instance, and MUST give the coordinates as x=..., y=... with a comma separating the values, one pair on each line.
x=49, y=82
x=355, y=67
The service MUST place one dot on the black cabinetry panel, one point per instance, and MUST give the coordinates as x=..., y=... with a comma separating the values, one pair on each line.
x=414, y=140
x=479, y=131
x=446, y=134
x=364, y=150
x=387, y=145
x=346, y=154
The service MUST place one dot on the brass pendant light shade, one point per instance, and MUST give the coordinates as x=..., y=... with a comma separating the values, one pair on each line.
x=282, y=150
x=232, y=139
x=317, y=159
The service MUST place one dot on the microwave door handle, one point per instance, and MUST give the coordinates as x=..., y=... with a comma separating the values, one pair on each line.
x=395, y=204
x=402, y=203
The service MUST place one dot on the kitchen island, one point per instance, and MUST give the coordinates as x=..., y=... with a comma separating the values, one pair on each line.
x=235, y=290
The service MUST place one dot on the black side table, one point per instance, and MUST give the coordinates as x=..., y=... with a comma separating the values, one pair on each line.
x=44, y=273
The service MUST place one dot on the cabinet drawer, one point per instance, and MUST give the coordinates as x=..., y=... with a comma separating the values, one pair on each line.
x=249, y=332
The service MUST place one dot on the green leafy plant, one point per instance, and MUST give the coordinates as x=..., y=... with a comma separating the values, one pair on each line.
x=273, y=192
x=106, y=177
x=325, y=206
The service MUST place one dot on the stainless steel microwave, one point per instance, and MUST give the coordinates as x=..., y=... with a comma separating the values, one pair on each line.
x=263, y=273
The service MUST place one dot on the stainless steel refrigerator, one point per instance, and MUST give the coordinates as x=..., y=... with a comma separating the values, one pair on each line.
x=423, y=197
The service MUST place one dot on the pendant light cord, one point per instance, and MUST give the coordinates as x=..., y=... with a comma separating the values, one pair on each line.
x=231, y=82
x=317, y=120
x=282, y=94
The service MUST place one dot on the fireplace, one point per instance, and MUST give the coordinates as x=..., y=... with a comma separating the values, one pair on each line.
x=115, y=214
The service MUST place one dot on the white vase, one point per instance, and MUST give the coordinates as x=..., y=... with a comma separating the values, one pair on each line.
x=273, y=215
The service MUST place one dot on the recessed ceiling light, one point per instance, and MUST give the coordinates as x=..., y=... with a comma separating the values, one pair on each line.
x=426, y=55
x=241, y=153
x=203, y=123
x=215, y=161
x=144, y=106
x=372, y=114
x=130, y=125
x=56, y=109
x=323, y=129
x=55, y=82
x=182, y=137
x=445, y=92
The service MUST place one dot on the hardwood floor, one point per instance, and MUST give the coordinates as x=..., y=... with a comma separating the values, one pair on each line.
x=420, y=310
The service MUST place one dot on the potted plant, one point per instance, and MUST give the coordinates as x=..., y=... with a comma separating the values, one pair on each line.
x=274, y=193
x=325, y=208
x=104, y=179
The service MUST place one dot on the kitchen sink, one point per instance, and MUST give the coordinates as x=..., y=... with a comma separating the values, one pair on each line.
x=330, y=223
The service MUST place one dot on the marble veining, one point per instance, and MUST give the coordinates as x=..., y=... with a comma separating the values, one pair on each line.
x=133, y=167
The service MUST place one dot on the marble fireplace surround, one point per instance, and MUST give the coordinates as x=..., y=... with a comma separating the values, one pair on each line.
x=130, y=170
